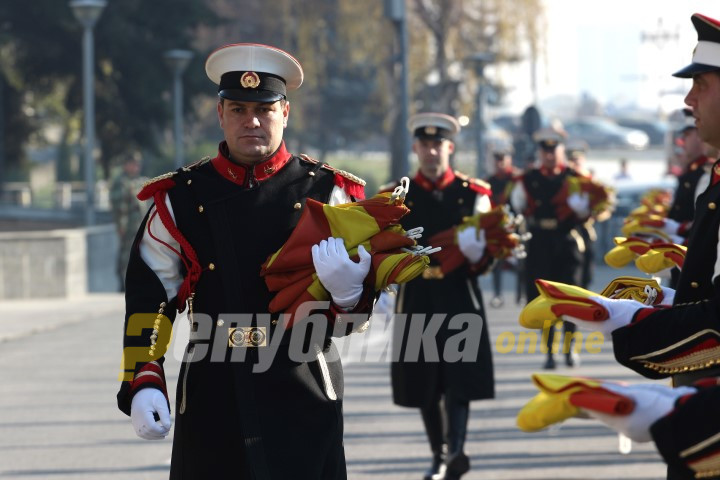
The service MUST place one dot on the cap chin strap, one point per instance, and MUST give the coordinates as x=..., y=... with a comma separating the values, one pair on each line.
x=707, y=53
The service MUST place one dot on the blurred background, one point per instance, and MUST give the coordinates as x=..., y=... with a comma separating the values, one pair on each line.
x=87, y=84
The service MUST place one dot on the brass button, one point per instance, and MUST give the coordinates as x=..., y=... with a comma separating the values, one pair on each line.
x=461, y=201
x=686, y=184
x=220, y=323
x=465, y=184
x=312, y=174
x=189, y=181
x=712, y=206
x=297, y=206
x=694, y=284
x=200, y=209
x=211, y=266
x=409, y=203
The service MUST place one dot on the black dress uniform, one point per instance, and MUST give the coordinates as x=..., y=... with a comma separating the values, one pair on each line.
x=682, y=209
x=501, y=184
x=231, y=422
x=684, y=341
x=555, y=251
x=421, y=383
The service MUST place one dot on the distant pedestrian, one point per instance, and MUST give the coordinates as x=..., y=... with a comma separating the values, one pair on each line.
x=623, y=174
x=126, y=209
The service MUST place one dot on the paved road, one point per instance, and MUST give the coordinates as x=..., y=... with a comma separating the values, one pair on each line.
x=59, y=362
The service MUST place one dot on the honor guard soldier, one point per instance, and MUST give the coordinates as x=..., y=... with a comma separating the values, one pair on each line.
x=576, y=151
x=501, y=183
x=201, y=246
x=682, y=341
x=439, y=198
x=555, y=251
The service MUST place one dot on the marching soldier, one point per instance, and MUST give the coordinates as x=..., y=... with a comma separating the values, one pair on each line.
x=439, y=198
x=501, y=183
x=682, y=341
x=577, y=158
x=201, y=247
x=555, y=251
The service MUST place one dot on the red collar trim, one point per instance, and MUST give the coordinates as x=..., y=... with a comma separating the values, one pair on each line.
x=555, y=171
x=239, y=174
x=440, y=184
x=697, y=163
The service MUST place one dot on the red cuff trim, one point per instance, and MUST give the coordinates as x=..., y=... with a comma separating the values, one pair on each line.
x=150, y=375
x=481, y=265
x=642, y=314
x=364, y=305
x=684, y=228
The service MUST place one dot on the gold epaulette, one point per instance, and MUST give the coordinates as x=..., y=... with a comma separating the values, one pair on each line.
x=342, y=173
x=309, y=159
x=469, y=179
x=158, y=178
x=348, y=175
x=200, y=162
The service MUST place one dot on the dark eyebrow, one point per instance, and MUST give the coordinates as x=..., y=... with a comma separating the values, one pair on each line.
x=239, y=103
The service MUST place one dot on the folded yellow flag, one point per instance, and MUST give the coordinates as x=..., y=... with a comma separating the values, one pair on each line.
x=557, y=299
x=645, y=290
x=562, y=397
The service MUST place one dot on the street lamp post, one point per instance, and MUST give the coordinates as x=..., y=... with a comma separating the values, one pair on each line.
x=395, y=12
x=178, y=61
x=87, y=13
x=479, y=61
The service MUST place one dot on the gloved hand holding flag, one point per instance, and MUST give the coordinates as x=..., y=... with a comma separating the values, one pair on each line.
x=370, y=224
x=498, y=228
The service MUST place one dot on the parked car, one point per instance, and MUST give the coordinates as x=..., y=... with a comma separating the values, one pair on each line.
x=655, y=129
x=601, y=132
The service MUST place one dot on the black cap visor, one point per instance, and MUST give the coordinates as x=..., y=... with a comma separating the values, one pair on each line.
x=250, y=95
x=695, y=69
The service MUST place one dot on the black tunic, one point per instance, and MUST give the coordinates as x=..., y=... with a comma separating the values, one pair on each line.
x=555, y=251
x=233, y=422
x=684, y=341
x=417, y=383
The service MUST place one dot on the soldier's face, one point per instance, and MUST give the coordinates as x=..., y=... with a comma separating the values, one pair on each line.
x=253, y=131
x=433, y=155
x=551, y=157
x=704, y=98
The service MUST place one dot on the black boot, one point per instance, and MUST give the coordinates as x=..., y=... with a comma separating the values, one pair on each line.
x=572, y=358
x=457, y=463
x=433, y=421
x=550, y=361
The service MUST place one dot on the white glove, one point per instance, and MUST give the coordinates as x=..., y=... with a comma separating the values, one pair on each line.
x=671, y=227
x=146, y=402
x=472, y=243
x=652, y=402
x=580, y=204
x=620, y=313
x=668, y=296
x=340, y=276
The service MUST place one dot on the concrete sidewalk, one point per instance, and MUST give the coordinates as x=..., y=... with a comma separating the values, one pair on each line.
x=59, y=362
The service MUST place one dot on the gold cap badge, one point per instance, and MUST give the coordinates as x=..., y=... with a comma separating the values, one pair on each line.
x=250, y=80
x=430, y=130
